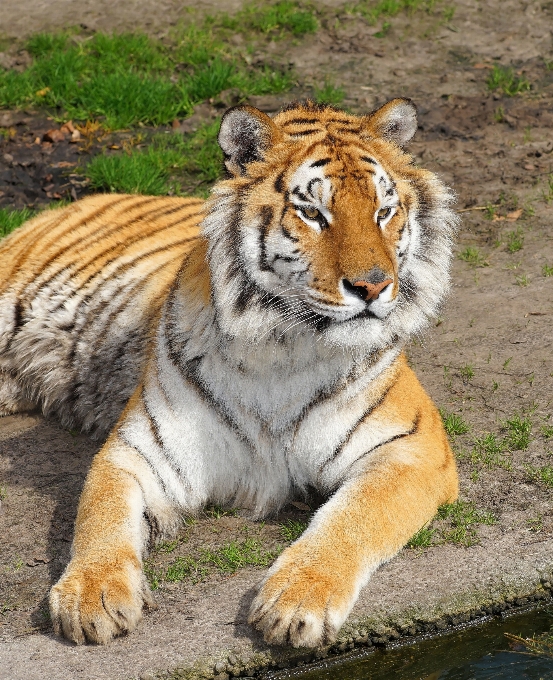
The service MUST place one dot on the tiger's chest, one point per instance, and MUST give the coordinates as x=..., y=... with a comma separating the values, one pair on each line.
x=248, y=432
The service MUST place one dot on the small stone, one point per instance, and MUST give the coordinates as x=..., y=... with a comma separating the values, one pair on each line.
x=232, y=660
x=147, y=676
x=8, y=158
x=75, y=136
x=220, y=667
x=342, y=647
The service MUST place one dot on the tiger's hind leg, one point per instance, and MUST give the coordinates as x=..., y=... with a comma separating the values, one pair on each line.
x=12, y=397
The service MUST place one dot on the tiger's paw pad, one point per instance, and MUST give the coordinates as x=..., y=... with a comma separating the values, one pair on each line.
x=95, y=603
x=300, y=607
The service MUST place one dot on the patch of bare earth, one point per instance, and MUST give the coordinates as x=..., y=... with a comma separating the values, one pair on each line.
x=488, y=359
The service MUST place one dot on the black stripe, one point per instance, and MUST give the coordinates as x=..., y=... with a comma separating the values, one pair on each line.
x=348, y=130
x=301, y=121
x=300, y=195
x=305, y=133
x=189, y=369
x=288, y=235
x=279, y=183
x=349, y=434
x=412, y=430
x=266, y=214
x=367, y=159
x=315, y=180
x=320, y=163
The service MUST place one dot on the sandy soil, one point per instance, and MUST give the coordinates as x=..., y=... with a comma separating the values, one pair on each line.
x=493, y=150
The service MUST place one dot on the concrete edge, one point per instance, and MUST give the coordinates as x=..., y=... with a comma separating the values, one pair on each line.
x=508, y=597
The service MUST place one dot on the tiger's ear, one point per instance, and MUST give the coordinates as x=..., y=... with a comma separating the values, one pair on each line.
x=245, y=135
x=395, y=122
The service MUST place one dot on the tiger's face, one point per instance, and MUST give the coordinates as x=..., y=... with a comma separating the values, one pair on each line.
x=326, y=225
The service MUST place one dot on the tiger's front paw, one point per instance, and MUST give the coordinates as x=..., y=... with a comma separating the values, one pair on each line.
x=301, y=602
x=98, y=601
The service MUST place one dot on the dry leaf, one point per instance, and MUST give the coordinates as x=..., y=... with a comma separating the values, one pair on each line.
x=301, y=506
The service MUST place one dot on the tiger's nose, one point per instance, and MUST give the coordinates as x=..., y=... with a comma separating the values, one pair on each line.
x=368, y=290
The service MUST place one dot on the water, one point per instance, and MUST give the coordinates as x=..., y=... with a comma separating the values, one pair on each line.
x=479, y=652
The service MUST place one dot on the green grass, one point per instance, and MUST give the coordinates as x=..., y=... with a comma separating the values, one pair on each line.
x=278, y=19
x=505, y=79
x=328, y=93
x=11, y=219
x=515, y=240
x=453, y=423
x=226, y=559
x=373, y=10
x=519, y=433
x=292, y=529
x=543, y=474
x=424, y=538
x=466, y=373
x=195, y=159
x=473, y=256
x=489, y=451
x=127, y=79
x=462, y=518
x=547, y=431
x=547, y=270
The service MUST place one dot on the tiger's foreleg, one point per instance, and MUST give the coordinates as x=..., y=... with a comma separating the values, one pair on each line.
x=311, y=588
x=103, y=590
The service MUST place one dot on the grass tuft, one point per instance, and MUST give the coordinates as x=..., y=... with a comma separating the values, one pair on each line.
x=515, y=240
x=282, y=17
x=489, y=451
x=473, y=256
x=292, y=529
x=422, y=539
x=453, y=423
x=505, y=79
x=11, y=219
x=372, y=11
x=543, y=474
x=519, y=431
x=226, y=560
x=328, y=93
x=462, y=518
x=137, y=173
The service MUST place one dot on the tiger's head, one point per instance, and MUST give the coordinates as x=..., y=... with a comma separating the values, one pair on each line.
x=326, y=226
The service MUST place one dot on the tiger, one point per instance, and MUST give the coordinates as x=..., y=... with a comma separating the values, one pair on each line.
x=242, y=351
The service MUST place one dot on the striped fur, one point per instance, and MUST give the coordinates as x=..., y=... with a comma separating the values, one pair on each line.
x=241, y=352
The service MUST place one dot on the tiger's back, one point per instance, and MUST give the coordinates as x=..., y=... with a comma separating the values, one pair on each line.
x=79, y=288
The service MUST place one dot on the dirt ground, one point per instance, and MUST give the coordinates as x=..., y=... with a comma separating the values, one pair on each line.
x=489, y=357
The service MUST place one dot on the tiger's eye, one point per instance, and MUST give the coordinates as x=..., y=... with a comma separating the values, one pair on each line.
x=383, y=213
x=310, y=212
